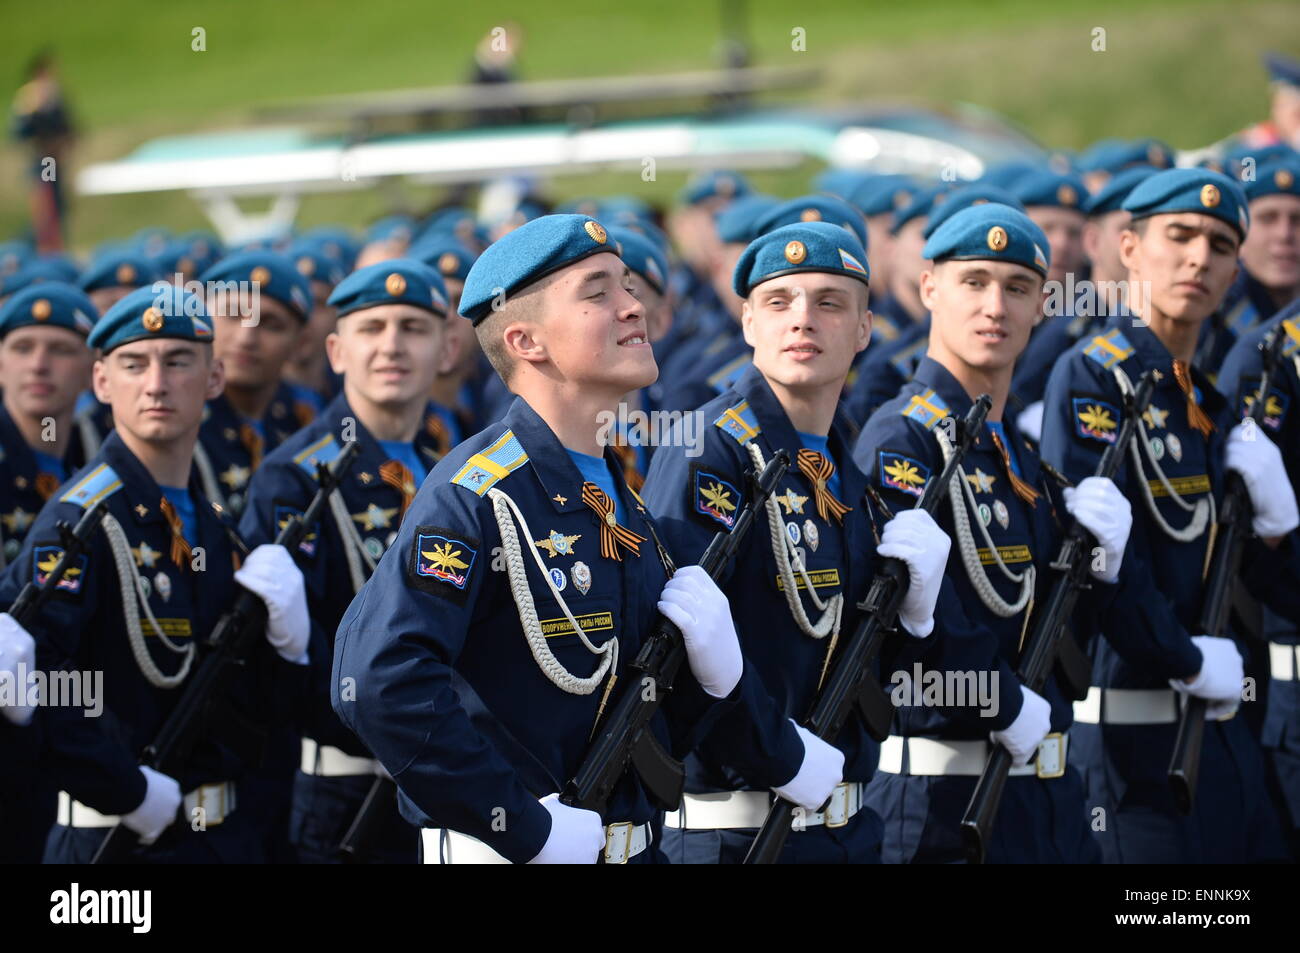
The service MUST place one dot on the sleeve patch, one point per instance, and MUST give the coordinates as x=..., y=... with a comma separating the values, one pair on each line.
x=897, y=471
x=1275, y=407
x=1094, y=418
x=310, y=539
x=45, y=558
x=714, y=497
x=442, y=561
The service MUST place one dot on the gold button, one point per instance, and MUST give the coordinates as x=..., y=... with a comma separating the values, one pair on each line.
x=821, y=484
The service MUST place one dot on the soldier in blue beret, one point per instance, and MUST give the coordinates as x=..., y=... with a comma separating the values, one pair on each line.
x=44, y=363
x=458, y=389
x=1181, y=250
x=1071, y=317
x=883, y=372
x=307, y=371
x=794, y=585
x=389, y=340
x=984, y=291
x=1109, y=157
x=1239, y=380
x=336, y=242
x=112, y=276
x=389, y=237
x=12, y=256
x=524, y=576
x=1270, y=261
x=259, y=303
x=1283, y=124
x=1055, y=202
x=878, y=197
x=153, y=582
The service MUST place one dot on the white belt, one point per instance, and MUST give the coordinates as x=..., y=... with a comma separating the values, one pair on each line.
x=1127, y=706
x=745, y=810
x=1284, y=661
x=328, y=762
x=623, y=841
x=929, y=757
x=217, y=801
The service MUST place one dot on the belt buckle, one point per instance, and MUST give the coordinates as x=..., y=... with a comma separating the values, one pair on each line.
x=627, y=827
x=837, y=806
x=1050, y=762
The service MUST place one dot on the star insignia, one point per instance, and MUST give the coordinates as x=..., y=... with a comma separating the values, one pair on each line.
x=235, y=476
x=560, y=499
x=20, y=482
x=18, y=520
x=981, y=481
x=1155, y=417
x=792, y=501
x=1157, y=375
x=145, y=557
x=364, y=477
x=230, y=434
x=375, y=517
x=141, y=510
x=557, y=544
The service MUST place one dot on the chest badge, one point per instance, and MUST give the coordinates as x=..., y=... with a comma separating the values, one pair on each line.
x=375, y=517
x=981, y=481
x=986, y=514
x=1155, y=417
x=792, y=533
x=581, y=574
x=18, y=520
x=559, y=579
x=1174, y=446
x=1001, y=514
x=791, y=502
x=162, y=582
x=145, y=556
x=558, y=544
x=1157, y=448
x=235, y=476
x=810, y=534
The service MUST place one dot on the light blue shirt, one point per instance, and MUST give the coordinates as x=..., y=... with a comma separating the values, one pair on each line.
x=179, y=497
x=596, y=470
x=406, y=454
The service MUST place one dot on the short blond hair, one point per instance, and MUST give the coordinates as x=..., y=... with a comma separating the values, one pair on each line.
x=524, y=305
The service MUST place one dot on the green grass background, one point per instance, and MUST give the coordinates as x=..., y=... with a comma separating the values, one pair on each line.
x=1188, y=72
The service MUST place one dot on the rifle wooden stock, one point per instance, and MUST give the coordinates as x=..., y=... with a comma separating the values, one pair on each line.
x=851, y=677
x=1225, y=566
x=229, y=644
x=1050, y=632
x=623, y=736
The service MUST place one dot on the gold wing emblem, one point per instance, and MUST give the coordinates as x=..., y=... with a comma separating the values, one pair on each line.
x=904, y=473
x=1096, y=418
x=444, y=557
x=717, y=496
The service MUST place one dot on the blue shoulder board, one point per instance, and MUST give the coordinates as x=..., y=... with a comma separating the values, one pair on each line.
x=739, y=421
x=323, y=450
x=1241, y=316
x=907, y=358
x=99, y=484
x=484, y=469
x=926, y=408
x=1109, y=349
x=1291, y=327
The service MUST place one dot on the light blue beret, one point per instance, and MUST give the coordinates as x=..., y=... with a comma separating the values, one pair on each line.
x=49, y=304
x=642, y=256
x=117, y=268
x=396, y=281
x=526, y=255
x=737, y=224
x=965, y=197
x=1043, y=187
x=274, y=273
x=802, y=247
x=153, y=312
x=816, y=208
x=1281, y=177
x=990, y=232
x=1110, y=197
x=1190, y=190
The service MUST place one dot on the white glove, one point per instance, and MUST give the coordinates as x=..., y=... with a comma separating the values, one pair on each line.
x=577, y=836
x=914, y=537
x=1221, y=672
x=1023, y=736
x=17, y=659
x=821, y=770
x=1259, y=462
x=1105, y=512
x=693, y=601
x=162, y=797
x=1030, y=422
x=269, y=572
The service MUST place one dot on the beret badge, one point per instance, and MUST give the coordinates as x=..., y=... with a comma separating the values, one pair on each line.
x=152, y=319
x=395, y=284
x=41, y=309
x=1209, y=195
x=795, y=252
x=997, y=238
x=596, y=231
